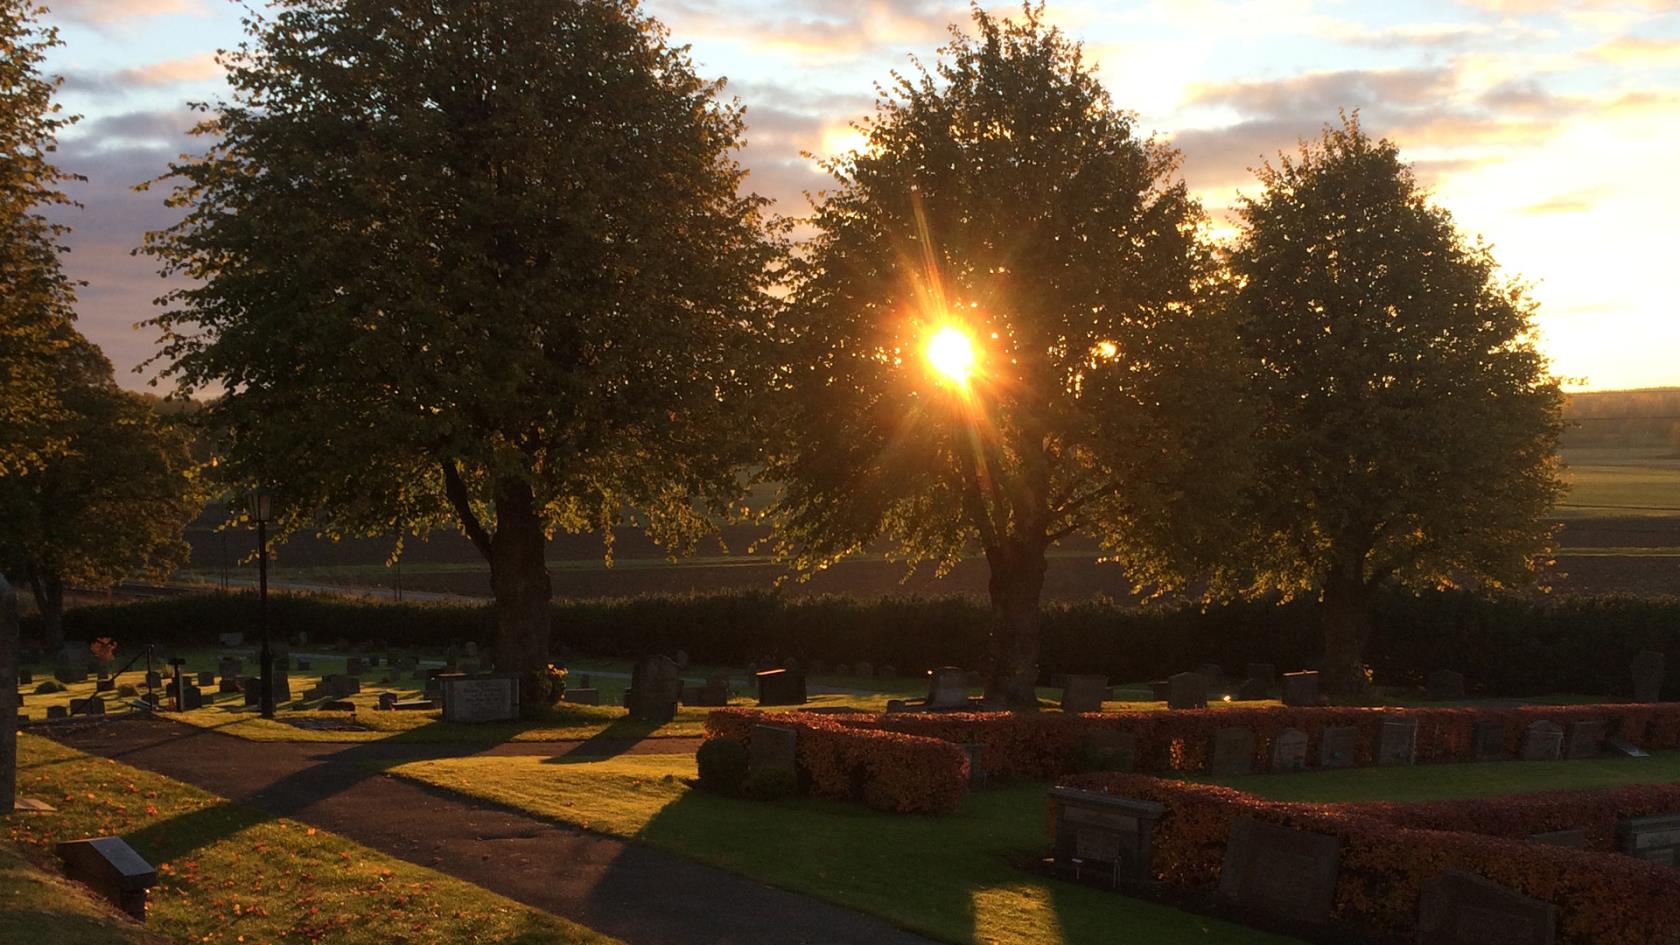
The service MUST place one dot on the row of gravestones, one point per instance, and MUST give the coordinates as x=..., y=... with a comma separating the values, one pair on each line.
x=1292, y=873
x=1232, y=751
x=1190, y=690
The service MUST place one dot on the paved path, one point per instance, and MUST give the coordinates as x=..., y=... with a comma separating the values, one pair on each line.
x=641, y=895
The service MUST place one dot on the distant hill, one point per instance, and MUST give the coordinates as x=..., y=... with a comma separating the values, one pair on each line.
x=1623, y=419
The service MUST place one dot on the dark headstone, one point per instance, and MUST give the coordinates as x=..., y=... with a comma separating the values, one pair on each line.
x=1253, y=689
x=947, y=688
x=1300, y=689
x=353, y=666
x=1446, y=684
x=1187, y=691
x=1160, y=690
x=773, y=747
x=1647, y=669
x=1655, y=838
x=192, y=697
x=1337, y=746
x=253, y=691
x=1542, y=741
x=387, y=701
x=57, y=712
x=112, y=869
x=1458, y=908
x=1212, y=672
x=781, y=687
x=976, y=763
x=104, y=685
x=1290, y=873
x=338, y=705
x=92, y=705
x=1583, y=740
x=1397, y=741
x=1265, y=672
x=1084, y=693
x=226, y=685
x=1104, y=836
x=1487, y=739
x=153, y=680
x=206, y=679
x=583, y=696
x=1232, y=752
x=340, y=686
x=654, y=690
x=1289, y=751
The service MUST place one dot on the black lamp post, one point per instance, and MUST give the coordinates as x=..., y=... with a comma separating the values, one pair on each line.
x=262, y=510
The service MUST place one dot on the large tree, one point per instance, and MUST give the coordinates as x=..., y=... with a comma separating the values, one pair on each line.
x=1004, y=337
x=481, y=262
x=37, y=300
x=1410, y=425
x=110, y=503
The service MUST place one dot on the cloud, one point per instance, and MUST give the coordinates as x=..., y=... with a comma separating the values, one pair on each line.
x=105, y=12
x=819, y=30
x=169, y=72
x=1639, y=51
x=1578, y=201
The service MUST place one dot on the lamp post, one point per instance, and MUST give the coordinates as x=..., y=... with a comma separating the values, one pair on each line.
x=262, y=510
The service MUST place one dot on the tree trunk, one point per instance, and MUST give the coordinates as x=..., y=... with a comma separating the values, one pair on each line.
x=1345, y=613
x=48, y=590
x=1016, y=584
x=519, y=579
x=8, y=696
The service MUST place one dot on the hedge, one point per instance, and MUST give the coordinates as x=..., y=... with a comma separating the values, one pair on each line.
x=1602, y=899
x=885, y=770
x=1049, y=745
x=1595, y=811
x=1504, y=645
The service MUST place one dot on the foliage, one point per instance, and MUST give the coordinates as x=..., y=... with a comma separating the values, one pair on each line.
x=722, y=763
x=37, y=301
x=1005, y=197
x=48, y=687
x=1410, y=425
x=1601, y=897
x=515, y=291
x=544, y=687
x=772, y=784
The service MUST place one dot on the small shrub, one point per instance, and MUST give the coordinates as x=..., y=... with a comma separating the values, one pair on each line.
x=773, y=784
x=546, y=686
x=127, y=691
x=48, y=687
x=723, y=765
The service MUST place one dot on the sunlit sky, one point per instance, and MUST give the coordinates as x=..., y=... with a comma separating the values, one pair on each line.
x=1552, y=129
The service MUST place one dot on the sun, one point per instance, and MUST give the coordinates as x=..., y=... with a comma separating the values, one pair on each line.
x=950, y=352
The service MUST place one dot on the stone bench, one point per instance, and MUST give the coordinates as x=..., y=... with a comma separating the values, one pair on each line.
x=111, y=868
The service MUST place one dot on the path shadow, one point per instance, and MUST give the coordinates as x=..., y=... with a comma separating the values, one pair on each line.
x=619, y=737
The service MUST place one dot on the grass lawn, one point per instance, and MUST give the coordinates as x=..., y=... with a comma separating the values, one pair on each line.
x=229, y=874
x=43, y=908
x=946, y=877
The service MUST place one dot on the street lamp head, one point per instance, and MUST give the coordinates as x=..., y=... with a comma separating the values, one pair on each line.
x=261, y=505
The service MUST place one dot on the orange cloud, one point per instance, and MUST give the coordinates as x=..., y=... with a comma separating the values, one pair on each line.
x=113, y=11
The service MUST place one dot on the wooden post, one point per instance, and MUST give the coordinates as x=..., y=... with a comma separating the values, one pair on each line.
x=8, y=696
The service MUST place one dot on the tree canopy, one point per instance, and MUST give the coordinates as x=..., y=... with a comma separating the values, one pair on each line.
x=37, y=300
x=1409, y=425
x=1005, y=332
x=476, y=263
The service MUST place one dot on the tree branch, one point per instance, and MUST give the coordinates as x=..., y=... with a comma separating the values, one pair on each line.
x=455, y=488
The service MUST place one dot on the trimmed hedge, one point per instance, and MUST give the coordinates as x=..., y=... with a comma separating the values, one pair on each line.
x=1049, y=745
x=1595, y=811
x=1505, y=646
x=1603, y=899
x=885, y=770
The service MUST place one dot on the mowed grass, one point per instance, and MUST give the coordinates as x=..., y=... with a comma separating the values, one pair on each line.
x=229, y=874
x=1443, y=781
x=953, y=878
x=41, y=908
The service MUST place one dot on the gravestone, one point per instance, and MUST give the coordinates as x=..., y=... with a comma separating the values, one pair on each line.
x=654, y=690
x=1107, y=749
x=1289, y=751
x=1232, y=752
x=1084, y=693
x=780, y=687
x=227, y=685
x=1457, y=908
x=947, y=688
x=387, y=701
x=303, y=664
x=1265, y=672
x=1655, y=838
x=1542, y=741
x=1253, y=689
x=1574, y=839
x=206, y=679
x=1104, y=836
x=1337, y=746
x=1648, y=676
x=773, y=748
x=1487, y=740
x=1187, y=691
x=25, y=677
x=1290, y=873
x=104, y=684
x=353, y=666
x=976, y=764
x=583, y=696
x=111, y=868
x=708, y=695
x=1300, y=689
x=337, y=705
x=92, y=705
x=1397, y=741
x=192, y=697
x=253, y=691
x=230, y=665
x=57, y=712
x=480, y=697
x=341, y=686
x=1445, y=684
x=67, y=672
x=1160, y=690
x=1584, y=740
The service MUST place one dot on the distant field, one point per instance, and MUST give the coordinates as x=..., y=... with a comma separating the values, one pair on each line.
x=1621, y=482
